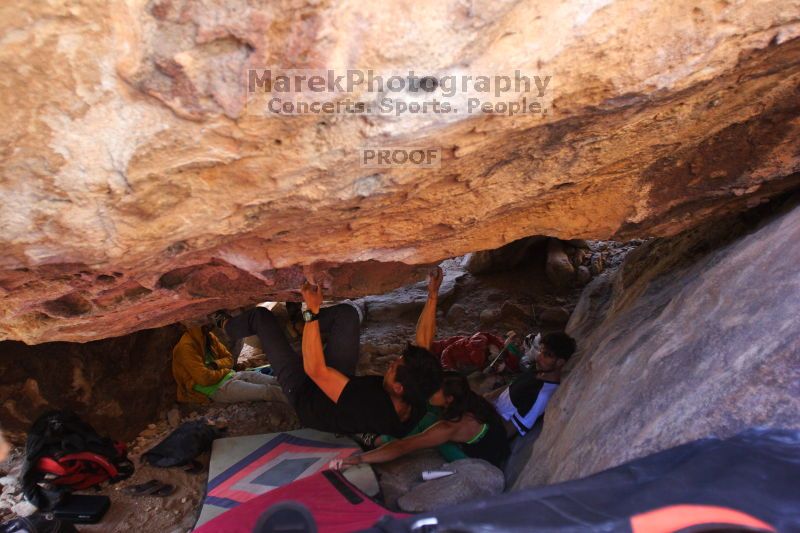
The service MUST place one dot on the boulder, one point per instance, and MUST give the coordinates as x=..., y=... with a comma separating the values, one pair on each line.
x=489, y=316
x=577, y=256
x=516, y=314
x=398, y=477
x=174, y=418
x=471, y=479
x=579, y=243
x=583, y=275
x=153, y=186
x=506, y=257
x=554, y=316
x=408, y=301
x=456, y=314
x=596, y=264
x=391, y=349
x=558, y=267
x=694, y=336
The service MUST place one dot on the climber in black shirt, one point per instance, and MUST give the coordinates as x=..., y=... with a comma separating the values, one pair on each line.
x=467, y=419
x=322, y=386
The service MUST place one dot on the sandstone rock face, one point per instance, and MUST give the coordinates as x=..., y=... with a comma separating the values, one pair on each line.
x=558, y=268
x=118, y=385
x=688, y=339
x=137, y=189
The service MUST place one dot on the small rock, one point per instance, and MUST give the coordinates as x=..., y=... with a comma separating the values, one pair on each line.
x=173, y=417
x=478, y=262
x=576, y=256
x=23, y=509
x=584, y=275
x=184, y=499
x=456, y=313
x=597, y=264
x=558, y=268
x=368, y=348
x=579, y=243
x=390, y=349
x=553, y=315
x=489, y=316
x=516, y=312
x=151, y=426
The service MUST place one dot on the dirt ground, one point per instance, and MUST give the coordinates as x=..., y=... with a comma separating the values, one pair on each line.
x=495, y=302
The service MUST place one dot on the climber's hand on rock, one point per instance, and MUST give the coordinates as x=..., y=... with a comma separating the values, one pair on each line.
x=435, y=281
x=312, y=295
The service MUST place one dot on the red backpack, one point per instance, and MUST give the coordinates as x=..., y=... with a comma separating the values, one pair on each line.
x=64, y=451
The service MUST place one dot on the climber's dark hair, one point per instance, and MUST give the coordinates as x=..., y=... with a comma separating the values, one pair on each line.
x=465, y=400
x=420, y=374
x=559, y=344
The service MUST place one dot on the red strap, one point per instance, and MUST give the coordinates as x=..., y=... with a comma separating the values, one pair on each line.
x=48, y=465
x=92, y=457
x=78, y=470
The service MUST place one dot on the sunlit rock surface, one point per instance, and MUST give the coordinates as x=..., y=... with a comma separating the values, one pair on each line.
x=137, y=190
x=694, y=336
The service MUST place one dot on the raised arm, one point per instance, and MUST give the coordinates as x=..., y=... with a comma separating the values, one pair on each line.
x=329, y=380
x=426, y=325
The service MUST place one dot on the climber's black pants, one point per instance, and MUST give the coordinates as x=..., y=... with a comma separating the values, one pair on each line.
x=339, y=327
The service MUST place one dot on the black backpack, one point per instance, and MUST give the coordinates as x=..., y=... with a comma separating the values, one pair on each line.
x=67, y=453
x=181, y=446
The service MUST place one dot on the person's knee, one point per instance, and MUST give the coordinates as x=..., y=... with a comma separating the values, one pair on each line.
x=347, y=314
x=262, y=312
x=262, y=315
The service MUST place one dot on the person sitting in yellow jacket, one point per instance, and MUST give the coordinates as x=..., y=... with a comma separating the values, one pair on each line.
x=204, y=371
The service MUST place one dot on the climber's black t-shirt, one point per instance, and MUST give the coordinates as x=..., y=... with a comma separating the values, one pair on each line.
x=363, y=407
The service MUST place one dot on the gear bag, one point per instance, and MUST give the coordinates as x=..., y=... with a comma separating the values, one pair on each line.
x=67, y=453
